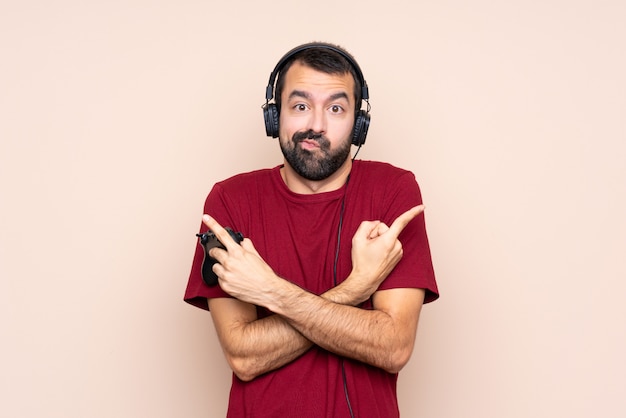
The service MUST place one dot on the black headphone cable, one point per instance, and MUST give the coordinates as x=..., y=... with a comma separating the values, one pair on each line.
x=343, y=205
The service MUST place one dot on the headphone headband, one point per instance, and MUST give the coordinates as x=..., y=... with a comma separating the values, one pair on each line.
x=269, y=91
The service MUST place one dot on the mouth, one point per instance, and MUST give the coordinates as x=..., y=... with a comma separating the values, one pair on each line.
x=309, y=144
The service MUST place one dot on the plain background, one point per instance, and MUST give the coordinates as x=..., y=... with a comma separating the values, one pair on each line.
x=117, y=117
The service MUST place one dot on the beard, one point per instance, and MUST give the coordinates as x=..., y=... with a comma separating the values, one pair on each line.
x=318, y=164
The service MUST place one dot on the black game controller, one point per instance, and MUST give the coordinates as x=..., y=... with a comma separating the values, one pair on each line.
x=208, y=241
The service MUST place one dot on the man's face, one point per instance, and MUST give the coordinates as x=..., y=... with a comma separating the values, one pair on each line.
x=316, y=121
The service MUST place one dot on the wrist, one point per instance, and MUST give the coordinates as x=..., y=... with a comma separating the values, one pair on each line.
x=282, y=296
x=350, y=292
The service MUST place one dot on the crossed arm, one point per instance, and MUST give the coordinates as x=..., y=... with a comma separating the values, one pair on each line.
x=382, y=337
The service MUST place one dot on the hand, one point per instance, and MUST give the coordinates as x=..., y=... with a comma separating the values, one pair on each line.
x=241, y=271
x=376, y=251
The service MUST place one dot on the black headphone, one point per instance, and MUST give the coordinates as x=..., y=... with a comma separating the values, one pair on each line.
x=270, y=110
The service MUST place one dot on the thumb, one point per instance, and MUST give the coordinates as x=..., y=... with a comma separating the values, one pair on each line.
x=366, y=229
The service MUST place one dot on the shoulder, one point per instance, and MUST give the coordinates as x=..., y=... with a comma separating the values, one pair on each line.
x=384, y=188
x=376, y=172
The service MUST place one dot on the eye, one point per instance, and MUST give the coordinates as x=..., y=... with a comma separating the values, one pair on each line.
x=300, y=107
x=336, y=109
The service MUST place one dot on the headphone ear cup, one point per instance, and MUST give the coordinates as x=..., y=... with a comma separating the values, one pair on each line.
x=270, y=114
x=361, y=126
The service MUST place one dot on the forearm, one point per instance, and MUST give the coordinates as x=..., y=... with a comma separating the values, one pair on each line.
x=257, y=346
x=264, y=345
x=372, y=336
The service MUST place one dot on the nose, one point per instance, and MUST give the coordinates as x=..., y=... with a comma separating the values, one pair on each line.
x=317, y=121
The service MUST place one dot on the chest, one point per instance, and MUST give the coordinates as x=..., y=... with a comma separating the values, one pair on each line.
x=300, y=241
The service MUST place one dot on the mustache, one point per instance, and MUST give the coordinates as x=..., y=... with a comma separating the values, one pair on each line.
x=310, y=134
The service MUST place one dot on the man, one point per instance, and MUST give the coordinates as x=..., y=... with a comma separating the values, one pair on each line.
x=317, y=308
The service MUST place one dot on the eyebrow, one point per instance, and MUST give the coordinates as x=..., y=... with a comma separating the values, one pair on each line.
x=299, y=93
x=340, y=95
x=306, y=95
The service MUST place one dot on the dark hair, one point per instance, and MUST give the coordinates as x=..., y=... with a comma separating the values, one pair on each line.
x=324, y=60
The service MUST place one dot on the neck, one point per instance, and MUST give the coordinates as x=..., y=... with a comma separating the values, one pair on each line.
x=300, y=185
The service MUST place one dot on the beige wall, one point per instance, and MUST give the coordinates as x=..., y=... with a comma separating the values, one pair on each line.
x=116, y=118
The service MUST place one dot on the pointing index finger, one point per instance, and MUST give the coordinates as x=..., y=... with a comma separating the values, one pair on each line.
x=220, y=232
x=403, y=220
